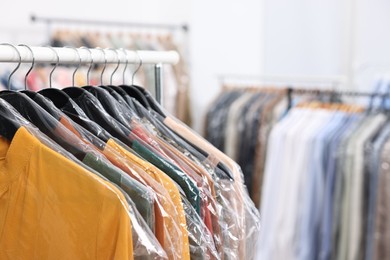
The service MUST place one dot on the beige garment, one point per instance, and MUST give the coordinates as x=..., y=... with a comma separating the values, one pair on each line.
x=247, y=216
x=270, y=114
x=232, y=127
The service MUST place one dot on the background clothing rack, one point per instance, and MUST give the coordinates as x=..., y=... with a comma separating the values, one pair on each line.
x=86, y=56
x=51, y=20
x=334, y=80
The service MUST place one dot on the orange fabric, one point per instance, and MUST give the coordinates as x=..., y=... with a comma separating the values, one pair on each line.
x=173, y=192
x=135, y=172
x=207, y=183
x=52, y=208
x=69, y=126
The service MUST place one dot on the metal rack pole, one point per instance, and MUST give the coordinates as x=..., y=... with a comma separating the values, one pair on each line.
x=70, y=56
x=51, y=20
x=158, y=82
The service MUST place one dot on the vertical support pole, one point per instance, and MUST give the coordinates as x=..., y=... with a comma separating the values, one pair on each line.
x=158, y=82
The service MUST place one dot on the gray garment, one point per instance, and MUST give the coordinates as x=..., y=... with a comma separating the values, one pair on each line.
x=374, y=152
x=339, y=186
x=381, y=237
x=357, y=216
x=347, y=171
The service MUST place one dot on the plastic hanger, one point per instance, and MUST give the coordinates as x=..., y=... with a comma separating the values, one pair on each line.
x=133, y=91
x=109, y=103
x=64, y=103
x=9, y=123
x=37, y=98
x=39, y=117
x=94, y=111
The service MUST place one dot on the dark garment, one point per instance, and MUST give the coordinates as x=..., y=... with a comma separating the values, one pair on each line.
x=380, y=243
x=266, y=121
x=138, y=193
x=373, y=151
x=247, y=132
x=189, y=188
x=217, y=118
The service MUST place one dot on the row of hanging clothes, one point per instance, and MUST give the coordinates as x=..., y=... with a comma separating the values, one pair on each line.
x=239, y=122
x=321, y=165
x=326, y=179
x=104, y=172
x=176, y=77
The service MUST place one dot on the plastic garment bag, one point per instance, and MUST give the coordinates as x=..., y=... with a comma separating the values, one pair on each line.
x=234, y=207
x=139, y=228
x=46, y=185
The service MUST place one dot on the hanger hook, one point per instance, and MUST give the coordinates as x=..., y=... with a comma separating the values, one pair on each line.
x=90, y=65
x=105, y=64
x=119, y=62
x=127, y=62
x=17, y=67
x=55, y=66
x=32, y=64
x=78, y=66
x=139, y=66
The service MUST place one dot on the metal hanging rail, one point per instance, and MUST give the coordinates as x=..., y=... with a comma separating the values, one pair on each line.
x=85, y=56
x=52, y=20
x=77, y=56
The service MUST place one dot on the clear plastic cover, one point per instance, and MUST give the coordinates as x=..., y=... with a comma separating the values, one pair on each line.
x=144, y=241
x=120, y=235
x=245, y=225
x=233, y=208
x=178, y=163
x=165, y=212
x=171, y=239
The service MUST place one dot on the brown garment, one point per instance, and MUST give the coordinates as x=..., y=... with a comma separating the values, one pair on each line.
x=266, y=123
x=381, y=238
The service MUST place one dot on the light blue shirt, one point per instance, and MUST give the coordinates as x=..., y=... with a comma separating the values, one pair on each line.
x=312, y=203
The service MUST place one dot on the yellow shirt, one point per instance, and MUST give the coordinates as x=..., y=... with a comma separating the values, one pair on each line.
x=180, y=248
x=52, y=208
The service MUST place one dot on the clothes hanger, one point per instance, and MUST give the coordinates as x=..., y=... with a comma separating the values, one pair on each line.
x=94, y=111
x=39, y=117
x=58, y=97
x=36, y=97
x=118, y=93
x=370, y=108
x=133, y=91
x=9, y=122
x=114, y=91
x=66, y=105
x=109, y=103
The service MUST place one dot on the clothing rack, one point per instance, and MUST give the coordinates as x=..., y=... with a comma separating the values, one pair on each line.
x=79, y=56
x=50, y=20
x=286, y=79
x=336, y=92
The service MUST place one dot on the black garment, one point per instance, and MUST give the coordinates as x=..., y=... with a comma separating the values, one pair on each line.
x=248, y=132
x=217, y=118
x=41, y=119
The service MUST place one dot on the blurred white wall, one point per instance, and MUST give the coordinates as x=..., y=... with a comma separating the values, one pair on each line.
x=226, y=38
x=348, y=37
